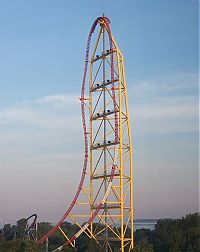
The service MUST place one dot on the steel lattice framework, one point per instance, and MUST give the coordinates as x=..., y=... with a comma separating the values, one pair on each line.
x=104, y=199
x=31, y=228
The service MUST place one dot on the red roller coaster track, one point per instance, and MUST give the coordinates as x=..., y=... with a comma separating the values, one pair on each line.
x=106, y=23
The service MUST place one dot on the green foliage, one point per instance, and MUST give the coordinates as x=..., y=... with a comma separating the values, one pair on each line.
x=181, y=235
x=88, y=245
x=43, y=228
x=9, y=231
x=178, y=235
x=18, y=246
x=143, y=246
x=21, y=225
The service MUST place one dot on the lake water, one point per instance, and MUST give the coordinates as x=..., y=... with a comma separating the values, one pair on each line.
x=142, y=224
x=137, y=225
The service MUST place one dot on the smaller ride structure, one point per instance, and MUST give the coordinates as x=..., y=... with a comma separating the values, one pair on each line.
x=31, y=228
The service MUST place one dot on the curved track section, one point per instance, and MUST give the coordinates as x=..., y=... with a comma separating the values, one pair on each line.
x=105, y=22
x=31, y=228
x=74, y=237
x=34, y=216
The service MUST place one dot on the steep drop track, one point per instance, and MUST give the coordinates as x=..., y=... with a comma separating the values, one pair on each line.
x=102, y=21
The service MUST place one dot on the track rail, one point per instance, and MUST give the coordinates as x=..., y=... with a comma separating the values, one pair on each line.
x=34, y=220
x=105, y=22
x=31, y=228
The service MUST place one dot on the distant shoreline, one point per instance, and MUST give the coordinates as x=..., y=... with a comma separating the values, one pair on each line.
x=147, y=220
x=138, y=223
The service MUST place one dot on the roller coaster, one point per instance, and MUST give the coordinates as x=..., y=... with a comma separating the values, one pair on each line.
x=102, y=208
x=31, y=228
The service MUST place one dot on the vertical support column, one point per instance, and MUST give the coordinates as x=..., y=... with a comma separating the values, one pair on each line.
x=91, y=166
x=36, y=231
x=121, y=153
x=104, y=137
x=90, y=118
x=47, y=244
x=131, y=162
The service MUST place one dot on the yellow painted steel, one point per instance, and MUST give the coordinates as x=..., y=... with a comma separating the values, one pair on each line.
x=114, y=222
x=66, y=237
x=122, y=189
x=90, y=111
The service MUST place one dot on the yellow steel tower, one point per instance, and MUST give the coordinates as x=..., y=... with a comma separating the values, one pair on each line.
x=115, y=218
x=104, y=198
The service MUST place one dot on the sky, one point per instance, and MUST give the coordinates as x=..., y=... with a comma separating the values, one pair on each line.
x=42, y=50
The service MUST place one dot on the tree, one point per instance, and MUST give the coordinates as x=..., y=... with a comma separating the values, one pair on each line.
x=9, y=231
x=143, y=246
x=189, y=249
x=18, y=246
x=21, y=226
x=43, y=228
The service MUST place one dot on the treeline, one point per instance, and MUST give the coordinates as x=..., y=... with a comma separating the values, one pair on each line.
x=180, y=235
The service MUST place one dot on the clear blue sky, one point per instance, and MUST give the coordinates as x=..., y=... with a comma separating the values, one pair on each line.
x=42, y=49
